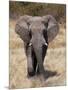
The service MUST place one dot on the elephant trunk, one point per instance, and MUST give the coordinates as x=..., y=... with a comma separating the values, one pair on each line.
x=38, y=53
x=37, y=46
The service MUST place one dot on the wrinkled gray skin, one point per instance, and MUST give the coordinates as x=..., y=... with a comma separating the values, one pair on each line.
x=34, y=32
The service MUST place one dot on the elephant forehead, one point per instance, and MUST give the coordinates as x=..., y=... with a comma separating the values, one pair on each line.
x=37, y=26
x=34, y=19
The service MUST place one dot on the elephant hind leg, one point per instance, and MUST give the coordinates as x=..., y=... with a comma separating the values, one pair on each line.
x=44, y=49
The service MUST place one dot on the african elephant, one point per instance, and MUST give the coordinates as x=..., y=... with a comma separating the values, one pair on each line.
x=36, y=32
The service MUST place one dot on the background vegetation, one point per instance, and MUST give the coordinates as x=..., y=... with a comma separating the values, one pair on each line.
x=17, y=9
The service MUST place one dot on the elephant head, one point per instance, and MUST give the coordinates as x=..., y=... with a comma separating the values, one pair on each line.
x=37, y=32
x=27, y=26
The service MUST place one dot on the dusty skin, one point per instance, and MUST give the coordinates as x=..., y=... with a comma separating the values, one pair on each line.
x=54, y=62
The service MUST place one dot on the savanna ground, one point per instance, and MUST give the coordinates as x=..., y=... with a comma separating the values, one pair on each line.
x=55, y=61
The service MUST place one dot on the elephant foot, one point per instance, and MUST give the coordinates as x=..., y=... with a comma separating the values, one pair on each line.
x=47, y=74
x=38, y=72
x=31, y=73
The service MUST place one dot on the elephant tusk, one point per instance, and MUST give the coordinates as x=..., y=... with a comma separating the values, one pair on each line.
x=30, y=44
x=46, y=44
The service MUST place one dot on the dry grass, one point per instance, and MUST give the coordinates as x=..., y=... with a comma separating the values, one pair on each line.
x=54, y=61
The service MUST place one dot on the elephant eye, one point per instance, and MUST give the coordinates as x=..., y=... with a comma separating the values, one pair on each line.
x=46, y=25
x=44, y=31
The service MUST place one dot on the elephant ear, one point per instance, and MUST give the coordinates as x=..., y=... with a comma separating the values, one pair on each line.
x=22, y=28
x=52, y=27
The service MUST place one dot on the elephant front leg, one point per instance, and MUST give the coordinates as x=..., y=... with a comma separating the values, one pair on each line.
x=30, y=67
